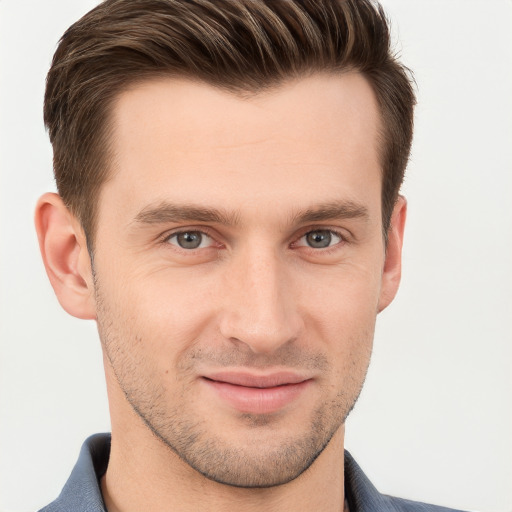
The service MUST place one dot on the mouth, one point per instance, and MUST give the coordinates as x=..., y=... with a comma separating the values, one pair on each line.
x=257, y=394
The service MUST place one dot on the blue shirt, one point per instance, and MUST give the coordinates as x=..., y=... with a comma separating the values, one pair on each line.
x=82, y=492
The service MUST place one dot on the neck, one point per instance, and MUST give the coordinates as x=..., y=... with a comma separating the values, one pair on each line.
x=148, y=476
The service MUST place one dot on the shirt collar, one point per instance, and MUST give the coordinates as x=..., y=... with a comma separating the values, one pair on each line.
x=82, y=492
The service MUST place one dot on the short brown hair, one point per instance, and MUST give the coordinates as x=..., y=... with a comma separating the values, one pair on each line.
x=238, y=45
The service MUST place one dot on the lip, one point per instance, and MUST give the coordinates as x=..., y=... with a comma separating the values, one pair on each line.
x=257, y=394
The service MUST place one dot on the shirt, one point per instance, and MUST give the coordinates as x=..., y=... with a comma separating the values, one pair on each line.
x=82, y=492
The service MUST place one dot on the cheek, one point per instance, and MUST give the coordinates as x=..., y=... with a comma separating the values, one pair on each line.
x=340, y=314
x=163, y=311
x=343, y=299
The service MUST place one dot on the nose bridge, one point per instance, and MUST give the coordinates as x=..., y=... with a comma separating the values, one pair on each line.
x=260, y=309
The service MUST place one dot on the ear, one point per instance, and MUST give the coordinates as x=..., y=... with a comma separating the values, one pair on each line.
x=66, y=258
x=392, y=270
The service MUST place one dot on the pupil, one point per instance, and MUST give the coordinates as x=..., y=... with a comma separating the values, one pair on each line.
x=190, y=240
x=319, y=239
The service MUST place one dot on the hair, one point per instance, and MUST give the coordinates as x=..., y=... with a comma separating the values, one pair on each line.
x=243, y=46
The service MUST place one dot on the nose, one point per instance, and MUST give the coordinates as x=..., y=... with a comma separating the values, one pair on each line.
x=260, y=306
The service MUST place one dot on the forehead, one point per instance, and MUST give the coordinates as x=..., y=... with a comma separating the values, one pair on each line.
x=174, y=138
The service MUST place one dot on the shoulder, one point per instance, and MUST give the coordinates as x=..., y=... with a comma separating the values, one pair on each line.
x=403, y=505
x=362, y=495
x=82, y=492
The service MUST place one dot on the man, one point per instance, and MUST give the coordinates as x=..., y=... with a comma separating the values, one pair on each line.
x=229, y=214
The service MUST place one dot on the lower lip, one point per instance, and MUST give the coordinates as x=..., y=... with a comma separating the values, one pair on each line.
x=258, y=400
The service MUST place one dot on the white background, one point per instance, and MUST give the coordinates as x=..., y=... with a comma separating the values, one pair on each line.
x=434, y=422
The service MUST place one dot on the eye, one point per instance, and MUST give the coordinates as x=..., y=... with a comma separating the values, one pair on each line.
x=190, y=240
x=320, y=239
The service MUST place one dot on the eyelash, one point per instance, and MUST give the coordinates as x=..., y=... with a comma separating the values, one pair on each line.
x=323, y=250
x=164, y=239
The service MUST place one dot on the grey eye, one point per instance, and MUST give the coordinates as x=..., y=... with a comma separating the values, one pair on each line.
x=321, y=238
x=189, y=239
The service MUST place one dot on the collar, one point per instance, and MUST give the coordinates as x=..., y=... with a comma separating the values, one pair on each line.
x=82, y=491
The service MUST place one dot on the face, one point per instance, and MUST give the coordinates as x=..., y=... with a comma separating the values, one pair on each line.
x=238, y=268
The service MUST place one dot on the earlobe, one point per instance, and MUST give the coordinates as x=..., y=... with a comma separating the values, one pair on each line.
x=392, y=270
x=66, y=259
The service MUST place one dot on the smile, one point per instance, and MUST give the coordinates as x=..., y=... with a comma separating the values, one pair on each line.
x=256, y=394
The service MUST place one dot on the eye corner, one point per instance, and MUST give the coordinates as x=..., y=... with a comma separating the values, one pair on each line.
x=189, y=239
x=320, y=238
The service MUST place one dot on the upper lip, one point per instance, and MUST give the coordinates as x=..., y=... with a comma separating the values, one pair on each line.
x=252, y=380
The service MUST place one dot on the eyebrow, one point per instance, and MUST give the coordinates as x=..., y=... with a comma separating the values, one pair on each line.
x=166, y=212
x=334, y=210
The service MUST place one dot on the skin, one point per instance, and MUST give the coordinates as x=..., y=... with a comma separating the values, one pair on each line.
x=277, y=173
